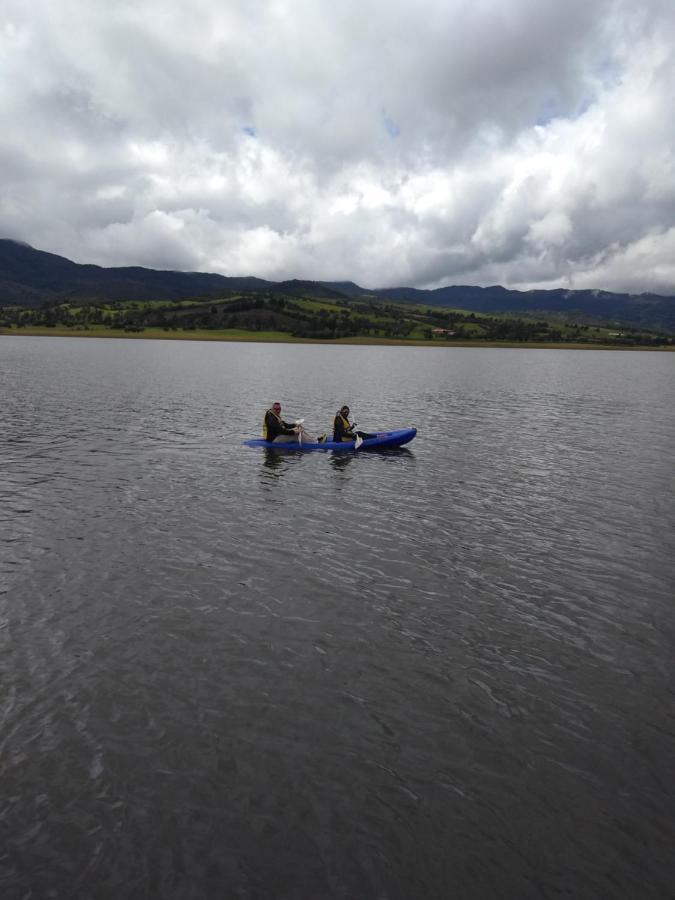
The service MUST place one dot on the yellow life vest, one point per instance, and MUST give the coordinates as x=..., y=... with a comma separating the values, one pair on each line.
x=346, y=426
x=264, y=424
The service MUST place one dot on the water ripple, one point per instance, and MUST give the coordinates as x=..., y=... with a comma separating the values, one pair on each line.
x=341, y=676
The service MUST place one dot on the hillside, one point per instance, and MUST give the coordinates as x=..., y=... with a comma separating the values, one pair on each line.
x=30, y=278
x=272, y=316
x=647, y=310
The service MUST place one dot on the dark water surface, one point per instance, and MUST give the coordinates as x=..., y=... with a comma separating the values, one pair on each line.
x=441, y=672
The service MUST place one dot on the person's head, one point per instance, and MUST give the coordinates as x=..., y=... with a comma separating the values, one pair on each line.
x=344, y=411
x=276, y=407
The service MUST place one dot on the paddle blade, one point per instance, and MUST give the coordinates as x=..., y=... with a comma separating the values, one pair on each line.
x=358, y=441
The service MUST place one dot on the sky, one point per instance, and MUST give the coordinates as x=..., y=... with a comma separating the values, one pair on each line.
x=529, y=143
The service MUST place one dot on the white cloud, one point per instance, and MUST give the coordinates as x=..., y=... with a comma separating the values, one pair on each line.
x=621, y=268
x=495, y=141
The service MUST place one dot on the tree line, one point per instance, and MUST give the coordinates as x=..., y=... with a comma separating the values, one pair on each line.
x=345, y=319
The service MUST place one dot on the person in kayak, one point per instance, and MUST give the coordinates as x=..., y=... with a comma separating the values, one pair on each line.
x=344, y=431
x=280, y=432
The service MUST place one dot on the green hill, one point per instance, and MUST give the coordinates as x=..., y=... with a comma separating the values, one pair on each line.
x=31, y=278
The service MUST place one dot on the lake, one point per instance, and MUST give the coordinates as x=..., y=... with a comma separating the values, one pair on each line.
x=444, y=671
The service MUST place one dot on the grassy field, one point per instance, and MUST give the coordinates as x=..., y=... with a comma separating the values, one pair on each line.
x=279, y=337
x=307, y=319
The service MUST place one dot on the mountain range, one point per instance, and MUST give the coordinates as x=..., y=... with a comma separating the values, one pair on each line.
x=30, y=277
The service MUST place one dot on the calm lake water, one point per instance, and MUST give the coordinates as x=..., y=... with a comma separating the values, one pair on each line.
x=445, y=671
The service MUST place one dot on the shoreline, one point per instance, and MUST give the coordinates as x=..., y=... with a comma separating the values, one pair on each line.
x=154, y=334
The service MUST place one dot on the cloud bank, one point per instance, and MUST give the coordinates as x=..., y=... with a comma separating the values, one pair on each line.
x=522, y=142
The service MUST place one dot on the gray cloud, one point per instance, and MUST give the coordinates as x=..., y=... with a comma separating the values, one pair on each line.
x=515, y=141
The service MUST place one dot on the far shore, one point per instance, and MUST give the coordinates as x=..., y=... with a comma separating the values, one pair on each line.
x=239, y=336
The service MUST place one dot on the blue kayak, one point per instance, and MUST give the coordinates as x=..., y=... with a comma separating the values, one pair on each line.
x=382, y=441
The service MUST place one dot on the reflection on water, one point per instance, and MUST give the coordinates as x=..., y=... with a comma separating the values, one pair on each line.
x=237, y=672
x=274, y=461
x=277, y=462
x=340, y=461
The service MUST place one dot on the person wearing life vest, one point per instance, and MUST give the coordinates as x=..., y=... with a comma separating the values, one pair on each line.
x=343, y=430
x=280, y=432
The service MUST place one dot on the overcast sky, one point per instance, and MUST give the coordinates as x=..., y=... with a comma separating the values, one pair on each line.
x=528, y=143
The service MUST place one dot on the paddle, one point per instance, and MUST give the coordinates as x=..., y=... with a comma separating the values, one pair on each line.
x=299, y=422
x=358, y=441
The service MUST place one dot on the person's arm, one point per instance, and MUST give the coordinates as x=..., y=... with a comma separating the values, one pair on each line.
x=288, y=428
x=349, y=430
x=274, y=428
